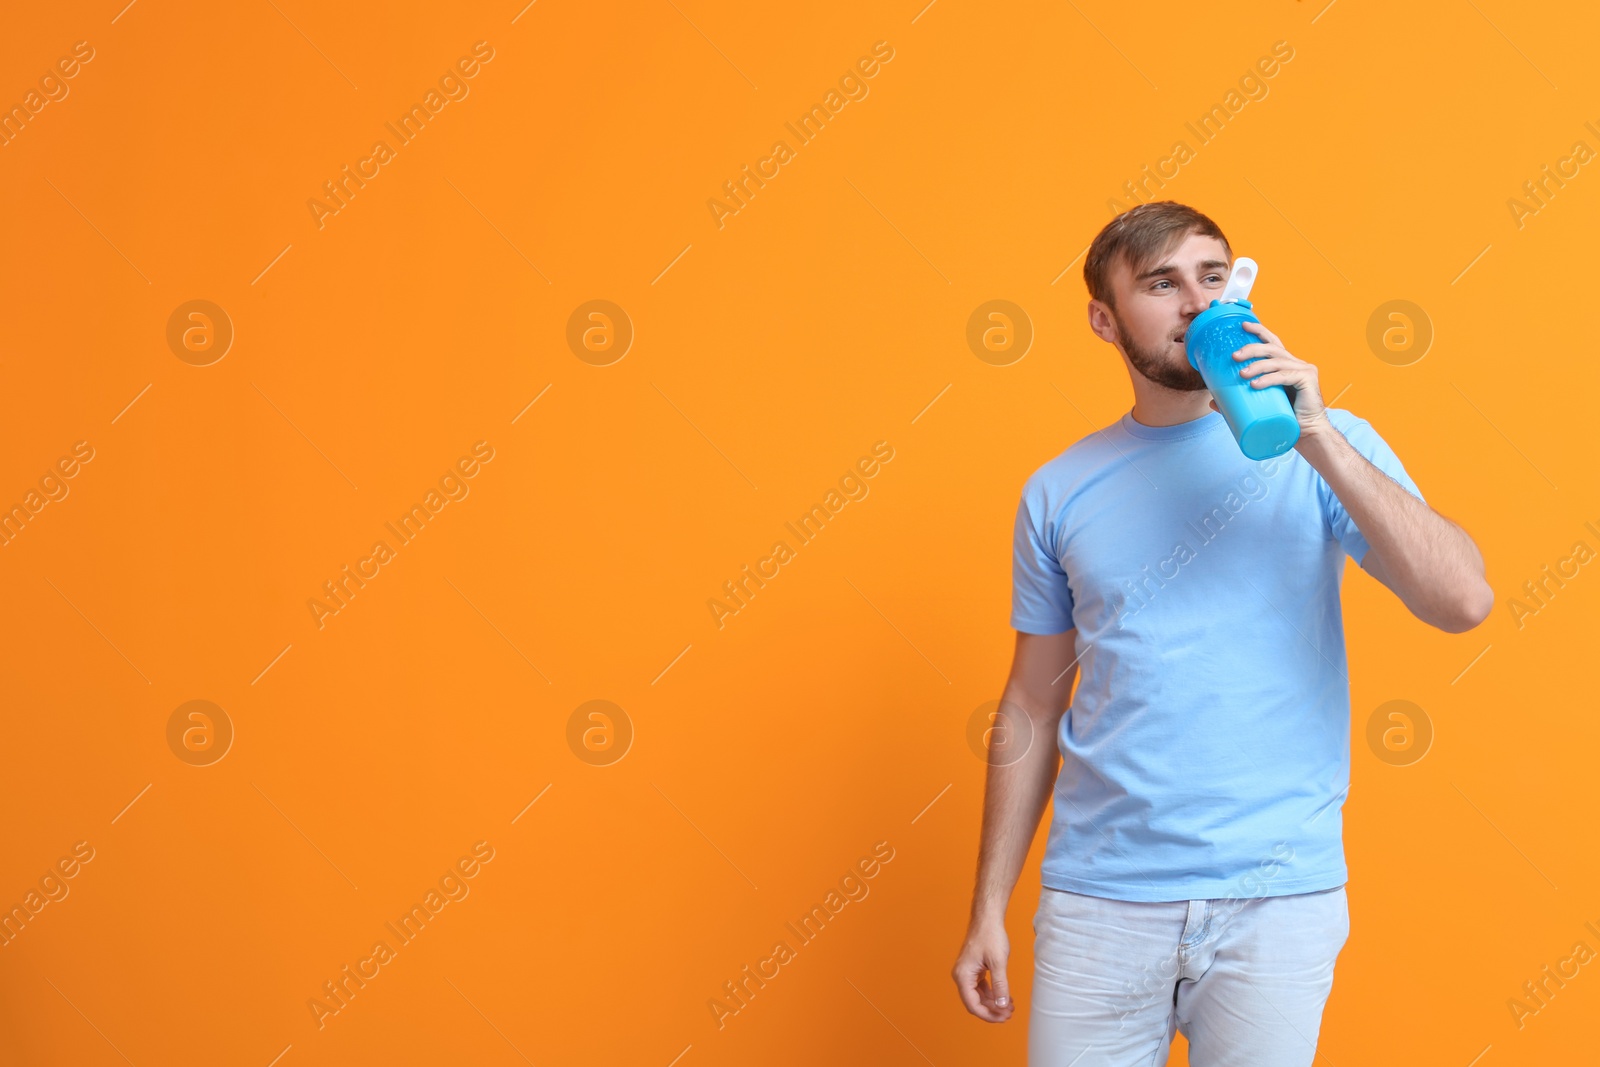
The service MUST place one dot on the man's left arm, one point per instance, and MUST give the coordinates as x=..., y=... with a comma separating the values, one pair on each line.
x=1427, y=560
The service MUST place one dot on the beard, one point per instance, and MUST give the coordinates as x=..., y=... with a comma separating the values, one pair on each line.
x=1169, y=368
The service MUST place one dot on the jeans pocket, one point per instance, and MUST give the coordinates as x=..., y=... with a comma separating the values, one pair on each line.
x=1048, y=899
x=1338, y=915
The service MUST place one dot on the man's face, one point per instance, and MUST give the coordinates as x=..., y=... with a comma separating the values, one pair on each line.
x=1154, y=310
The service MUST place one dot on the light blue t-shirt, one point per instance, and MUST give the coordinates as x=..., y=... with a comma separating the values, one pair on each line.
x=1209, y=737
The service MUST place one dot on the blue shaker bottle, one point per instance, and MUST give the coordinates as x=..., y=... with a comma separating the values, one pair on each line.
x=1262, y=420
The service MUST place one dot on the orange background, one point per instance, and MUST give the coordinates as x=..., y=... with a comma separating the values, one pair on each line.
x=770, y=754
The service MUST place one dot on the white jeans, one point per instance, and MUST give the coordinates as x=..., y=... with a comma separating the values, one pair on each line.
x=1244, y=979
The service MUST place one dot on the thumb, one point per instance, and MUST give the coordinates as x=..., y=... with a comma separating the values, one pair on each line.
x=999, y=985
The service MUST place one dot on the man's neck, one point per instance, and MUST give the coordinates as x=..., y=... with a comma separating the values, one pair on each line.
x=1156, y=405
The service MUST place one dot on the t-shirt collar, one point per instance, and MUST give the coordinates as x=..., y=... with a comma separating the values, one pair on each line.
x=1207, y=423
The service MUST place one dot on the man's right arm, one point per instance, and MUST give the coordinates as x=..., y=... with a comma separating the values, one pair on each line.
x=1017, y=788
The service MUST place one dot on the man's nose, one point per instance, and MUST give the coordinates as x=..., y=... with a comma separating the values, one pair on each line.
x=1195, y=299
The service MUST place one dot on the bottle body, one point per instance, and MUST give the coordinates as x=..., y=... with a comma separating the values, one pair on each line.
x=1262, y=420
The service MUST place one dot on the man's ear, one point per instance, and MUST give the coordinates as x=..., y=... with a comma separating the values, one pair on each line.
x=1101, y=323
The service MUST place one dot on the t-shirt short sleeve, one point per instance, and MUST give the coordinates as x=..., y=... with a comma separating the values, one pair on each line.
x=1365, y=440
x=1041, y=601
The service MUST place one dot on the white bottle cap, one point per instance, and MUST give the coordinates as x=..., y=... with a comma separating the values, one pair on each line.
x=1239, y=281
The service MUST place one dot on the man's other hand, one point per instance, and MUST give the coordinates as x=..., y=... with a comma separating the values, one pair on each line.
x=980, y=973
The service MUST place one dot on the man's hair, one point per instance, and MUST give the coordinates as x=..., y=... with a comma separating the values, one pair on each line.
x=1143, y=234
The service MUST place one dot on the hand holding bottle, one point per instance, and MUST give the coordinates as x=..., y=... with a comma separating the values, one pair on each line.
x=1267, y=363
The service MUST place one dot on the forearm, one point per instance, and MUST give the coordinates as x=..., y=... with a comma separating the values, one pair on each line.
x=1014, y=800
x=1429, y=561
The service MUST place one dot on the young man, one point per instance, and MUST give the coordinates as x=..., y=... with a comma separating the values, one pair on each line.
x=1194, y=872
